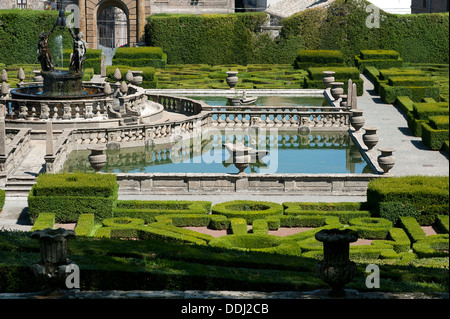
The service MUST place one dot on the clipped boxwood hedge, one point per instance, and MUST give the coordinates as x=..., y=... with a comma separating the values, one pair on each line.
x=261, y=243
x=249, y=210
x=140, y=57
x=428, y=194
x=69, y=195
x=432, y=246
x=318, y=58
x=85, y=225
x=371, y=227
x=148, y=210
x=412, y=228
x=44, y=220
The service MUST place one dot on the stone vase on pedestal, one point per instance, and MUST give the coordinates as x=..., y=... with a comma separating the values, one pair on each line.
x=97, y=158
x=232, y=79
x=357, y=120
x=337, y=89
x=370, y=138
x=328, y=78
x=336, y=269
x=386, y=160
x=242, y=162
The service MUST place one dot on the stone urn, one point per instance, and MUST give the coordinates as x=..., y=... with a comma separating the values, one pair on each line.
x=336, y=269
x=137, y=78
x=232, y=79
x=52, y=267
x=386, y=160
x=343, y=100
x=357, y=120
x=97, y=158
x=242, y=162
x=370, y=138
x=328, y=78
x=337, y=89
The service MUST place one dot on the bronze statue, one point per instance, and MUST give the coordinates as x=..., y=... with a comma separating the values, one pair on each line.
x=44, y=55
x=79, y=52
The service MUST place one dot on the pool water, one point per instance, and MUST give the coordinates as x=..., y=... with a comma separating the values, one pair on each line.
x=290, y=153
x=267, y=100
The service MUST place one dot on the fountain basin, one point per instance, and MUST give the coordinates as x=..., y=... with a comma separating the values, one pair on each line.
x=38, y=92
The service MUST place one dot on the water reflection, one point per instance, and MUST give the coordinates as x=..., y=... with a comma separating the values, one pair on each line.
x=325, y=152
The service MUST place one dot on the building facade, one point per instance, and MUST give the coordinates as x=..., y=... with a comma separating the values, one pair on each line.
x=429, y=6
x=22, y=4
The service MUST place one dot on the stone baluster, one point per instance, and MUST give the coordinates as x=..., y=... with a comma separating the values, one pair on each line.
x=67, y=111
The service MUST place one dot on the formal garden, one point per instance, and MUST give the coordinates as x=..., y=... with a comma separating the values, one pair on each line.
x=402, y=227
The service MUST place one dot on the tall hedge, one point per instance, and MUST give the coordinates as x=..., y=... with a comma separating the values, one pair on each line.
x=19, y=35
x=418, y=38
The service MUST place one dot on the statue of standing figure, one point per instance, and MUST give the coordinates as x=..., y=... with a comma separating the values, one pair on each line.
x=44, y=55
x=79, y=52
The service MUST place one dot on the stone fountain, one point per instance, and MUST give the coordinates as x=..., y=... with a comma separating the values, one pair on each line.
x=242, y=155
x=69, y=102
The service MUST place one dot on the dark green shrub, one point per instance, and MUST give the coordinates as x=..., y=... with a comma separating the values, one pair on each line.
x=379, y=55
x=394, y=210
x=186, y=220
x=238, y=226
x=148, y=210
x=434, y=138
x=140, y=57
x=249, y=210
x=404, y=103
x=422, y=192
x=260, y=227
x=412, y=228
x=323, y=206
x=219, y=222
x=442, y=223
x=261, y=243
x=302, y=221
x=69, y=195
x=410, y=81
x=432, y=246
x=371, y=227
x=416, y=93
x=318, y=58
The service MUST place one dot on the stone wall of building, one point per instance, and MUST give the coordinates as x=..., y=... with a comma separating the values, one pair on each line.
x=427, y=6
x=31, y=4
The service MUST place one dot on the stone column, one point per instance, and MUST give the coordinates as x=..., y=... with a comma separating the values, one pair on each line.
x=49, y=139
x=2, y=138
x=140, y=20
x=82, y=12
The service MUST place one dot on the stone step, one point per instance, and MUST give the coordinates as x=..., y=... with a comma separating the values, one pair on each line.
x=19, y=185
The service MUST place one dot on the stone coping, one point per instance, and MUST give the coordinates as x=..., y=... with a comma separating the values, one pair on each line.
x=220, y=92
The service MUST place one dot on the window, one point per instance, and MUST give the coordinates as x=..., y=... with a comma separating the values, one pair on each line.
x=22, y=4
x=424, y=3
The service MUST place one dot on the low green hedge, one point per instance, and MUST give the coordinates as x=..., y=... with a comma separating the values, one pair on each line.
x=260, y=227
x=410, y=81
x=404, y=103
x=294, y=208
x=434, y=138
x=428, y=194
x=432, y=246
x=69, y=195
x=44, y=220
x=379, y=55
x=401, y=242
x=2, y=199
x=85, y=225
x=380, y=59
x=261, y=243
x=318, y=58
x=416, y=93
x=249, y=210
x=324, y=206
x=185, y=220
x=442, y=223
x=412, y=228
x=238, y=226
x=394, y=210
x=140, y=57
x=423, y=111
x=148, y=210
x=371, y=227
x=439, y=122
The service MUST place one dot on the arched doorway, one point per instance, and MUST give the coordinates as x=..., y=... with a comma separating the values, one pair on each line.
x=112, y=27
x=96, y=21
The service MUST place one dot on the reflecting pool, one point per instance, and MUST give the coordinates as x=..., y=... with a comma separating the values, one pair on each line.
x=316, y=153
x=278, y=100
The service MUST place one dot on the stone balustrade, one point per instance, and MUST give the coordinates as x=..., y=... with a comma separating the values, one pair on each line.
x=17, y=145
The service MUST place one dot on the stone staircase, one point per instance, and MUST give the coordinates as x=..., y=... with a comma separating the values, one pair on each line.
x=19, y=186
